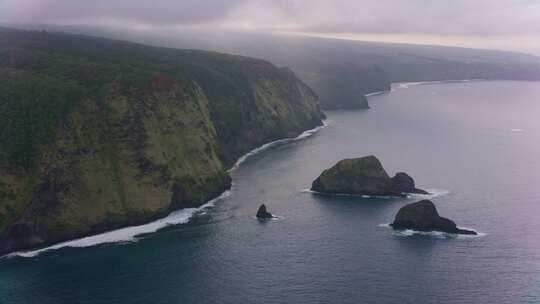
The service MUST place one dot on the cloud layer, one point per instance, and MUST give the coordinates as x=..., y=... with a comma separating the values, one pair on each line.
x=505, y=18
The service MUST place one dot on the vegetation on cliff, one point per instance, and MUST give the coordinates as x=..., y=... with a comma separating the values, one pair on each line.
x=97, y=134
x=342, y=71
x=342, y=86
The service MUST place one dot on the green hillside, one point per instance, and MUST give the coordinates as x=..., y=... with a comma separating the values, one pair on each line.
x=97, y=134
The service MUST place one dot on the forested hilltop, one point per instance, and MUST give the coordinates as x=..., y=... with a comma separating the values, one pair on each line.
x=342, y=71
x=97, y=134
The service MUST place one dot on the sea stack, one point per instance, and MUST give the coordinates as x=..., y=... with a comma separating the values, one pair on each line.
x=423, y=216
x=364, y=176
x=263, y=214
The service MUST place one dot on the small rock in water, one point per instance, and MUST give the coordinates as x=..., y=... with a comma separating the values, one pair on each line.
x=262, y=213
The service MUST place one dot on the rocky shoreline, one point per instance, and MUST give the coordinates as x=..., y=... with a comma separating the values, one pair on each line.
x=215, y=196
x=136, y=132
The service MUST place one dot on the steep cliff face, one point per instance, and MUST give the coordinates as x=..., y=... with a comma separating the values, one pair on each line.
x=341, y=71
x=99, y=134
x=342, y=86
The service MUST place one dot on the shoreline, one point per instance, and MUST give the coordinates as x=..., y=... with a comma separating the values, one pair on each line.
x=276, y=143
x=434, y=233
x=129, y=234
x=405, y=85
x=378, y=93
x=433, y=192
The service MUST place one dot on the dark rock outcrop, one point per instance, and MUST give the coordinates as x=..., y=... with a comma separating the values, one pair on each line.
x=363, y=176
x=263, y=214
x=405, y=184
x=423, y=216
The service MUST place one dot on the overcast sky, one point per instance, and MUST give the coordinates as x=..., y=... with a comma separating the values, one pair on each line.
x=499, y=24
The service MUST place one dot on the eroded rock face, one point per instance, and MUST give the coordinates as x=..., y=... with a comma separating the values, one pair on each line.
x=155, y=133
x=423, y=216
x=363, y=176
x=405, y=184
x=262, y=213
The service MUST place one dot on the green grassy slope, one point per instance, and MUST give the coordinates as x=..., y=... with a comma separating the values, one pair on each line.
x=97, y=134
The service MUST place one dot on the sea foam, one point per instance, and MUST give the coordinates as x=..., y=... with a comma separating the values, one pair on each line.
x=432, y=194
x=434, y=234
x=406, y=85
x=128, y=234
x=182, y=216
x=348, y=195
x=378, y=93
x=275, y=143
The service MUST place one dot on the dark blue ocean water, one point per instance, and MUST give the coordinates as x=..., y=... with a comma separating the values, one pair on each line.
x=477, y=143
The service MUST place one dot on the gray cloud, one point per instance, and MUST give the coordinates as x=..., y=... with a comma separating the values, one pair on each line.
x=152, y=12
x=489, y=18
x=456, y=17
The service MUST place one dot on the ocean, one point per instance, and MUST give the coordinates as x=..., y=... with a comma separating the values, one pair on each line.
x=474, y=145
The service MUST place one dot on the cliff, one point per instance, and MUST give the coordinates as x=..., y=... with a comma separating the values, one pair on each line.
x=344, y=86
x=98, y=134
x=341, y=71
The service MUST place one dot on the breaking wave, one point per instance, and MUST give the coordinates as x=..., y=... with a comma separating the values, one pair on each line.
x=432, y=194
x=182, y=216
x=434, y=234
x=128, y=234
x=348, y=195
x=406, y=85
x=278, y=142
x=378, y=93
